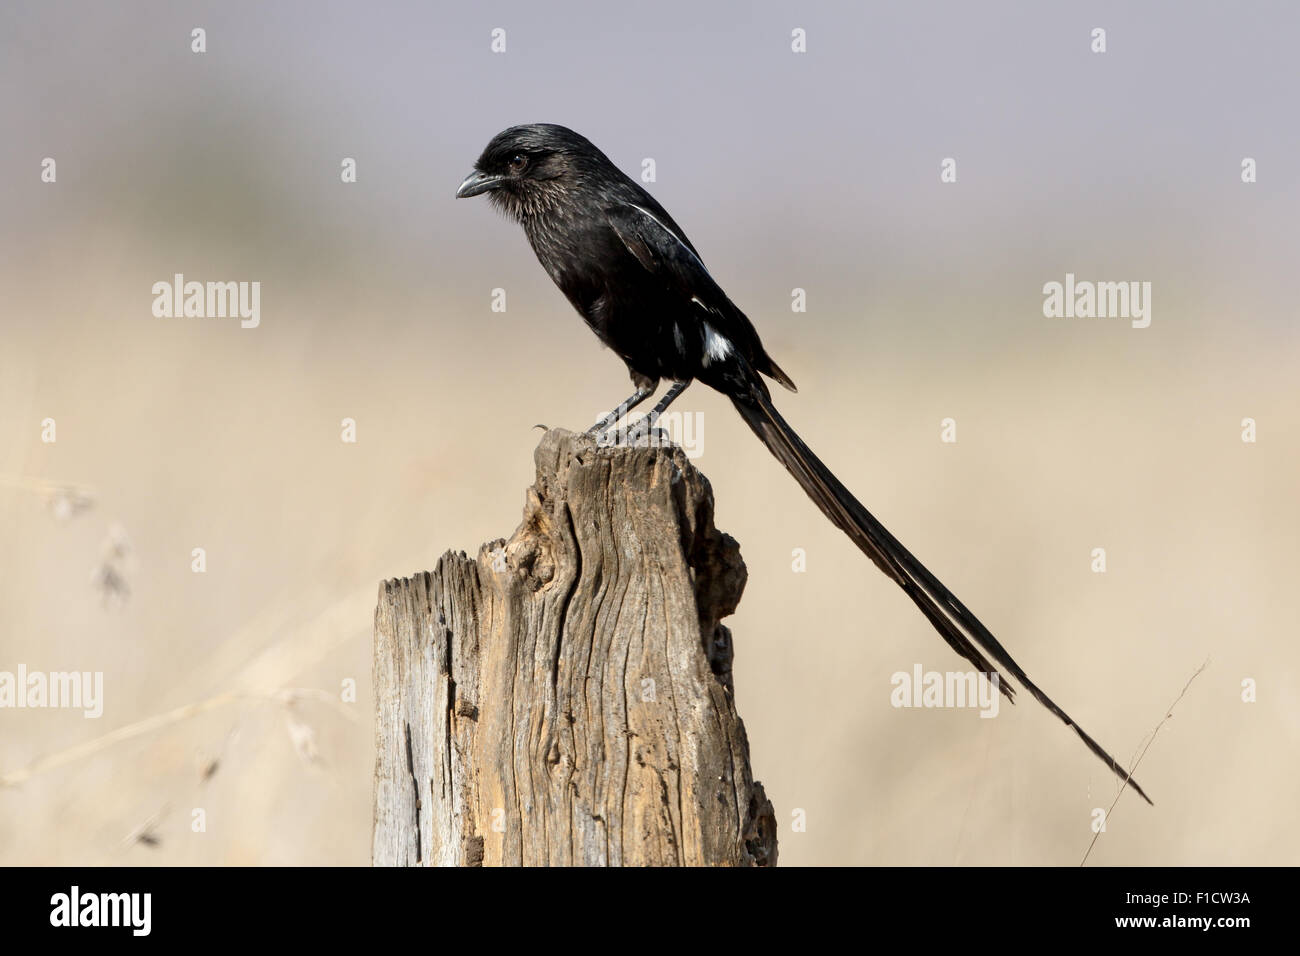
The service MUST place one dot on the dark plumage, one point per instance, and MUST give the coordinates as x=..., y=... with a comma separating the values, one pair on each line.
x=623, y=262
x=639, y=283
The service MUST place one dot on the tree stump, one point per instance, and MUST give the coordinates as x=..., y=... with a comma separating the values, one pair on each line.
x=566, y=697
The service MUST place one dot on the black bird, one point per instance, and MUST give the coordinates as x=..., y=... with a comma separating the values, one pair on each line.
x=641, y=286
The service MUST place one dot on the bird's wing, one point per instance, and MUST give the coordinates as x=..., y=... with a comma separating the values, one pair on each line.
x=664, y=252
x=659, y=245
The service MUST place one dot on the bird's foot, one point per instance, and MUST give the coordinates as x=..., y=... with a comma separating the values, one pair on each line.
x=602, y=433
x=644, y=432
x=607, y=433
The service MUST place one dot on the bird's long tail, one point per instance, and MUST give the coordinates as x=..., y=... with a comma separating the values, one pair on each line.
x=952, y=619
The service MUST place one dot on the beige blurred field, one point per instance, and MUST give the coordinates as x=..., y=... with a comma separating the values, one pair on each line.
x=923, y=305
x=298, y=528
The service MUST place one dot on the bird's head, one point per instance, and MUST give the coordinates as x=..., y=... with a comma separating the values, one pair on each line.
x=525, y=170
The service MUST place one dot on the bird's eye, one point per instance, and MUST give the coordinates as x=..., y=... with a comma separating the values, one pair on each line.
x=518, y=162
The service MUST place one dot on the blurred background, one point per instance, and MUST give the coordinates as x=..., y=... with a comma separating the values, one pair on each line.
x=226, y=690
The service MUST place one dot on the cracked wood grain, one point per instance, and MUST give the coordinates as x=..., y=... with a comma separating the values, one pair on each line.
x=565, y=698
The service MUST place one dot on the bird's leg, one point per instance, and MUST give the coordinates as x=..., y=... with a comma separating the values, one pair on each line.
x=632, y=401
x=647, y=424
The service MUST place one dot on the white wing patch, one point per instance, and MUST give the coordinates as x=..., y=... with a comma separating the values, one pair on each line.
x=716, y=347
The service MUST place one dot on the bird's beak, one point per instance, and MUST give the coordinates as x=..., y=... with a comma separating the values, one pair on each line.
x=476, y=183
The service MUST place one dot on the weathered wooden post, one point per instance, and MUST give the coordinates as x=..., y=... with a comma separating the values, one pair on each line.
x=565, y=698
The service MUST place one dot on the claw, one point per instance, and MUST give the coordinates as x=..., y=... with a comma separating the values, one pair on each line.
x=643, y=430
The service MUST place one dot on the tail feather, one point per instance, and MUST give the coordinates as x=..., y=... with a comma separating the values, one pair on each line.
x=950, y=617
x=774, y=371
